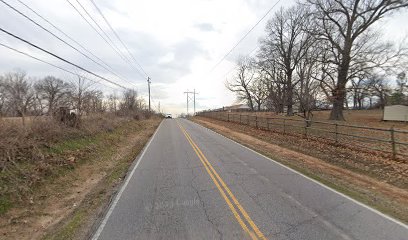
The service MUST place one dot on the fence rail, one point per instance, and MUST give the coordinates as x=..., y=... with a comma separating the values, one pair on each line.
x=390, y=141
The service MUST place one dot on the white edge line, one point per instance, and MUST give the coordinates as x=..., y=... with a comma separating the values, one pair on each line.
x=313, y=180
x=122, y=189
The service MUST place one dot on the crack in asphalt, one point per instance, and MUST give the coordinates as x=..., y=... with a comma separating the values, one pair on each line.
x=215, y=226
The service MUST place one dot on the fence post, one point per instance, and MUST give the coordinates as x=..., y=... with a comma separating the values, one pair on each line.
x=240, y=118
x=256, y=121
x=336, y=137
x=394, y=150
x=248, y=120
x=267, y=123
x=227, y=117
x=284, y=126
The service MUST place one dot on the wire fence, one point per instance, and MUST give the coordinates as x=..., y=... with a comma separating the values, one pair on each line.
x=391, y=141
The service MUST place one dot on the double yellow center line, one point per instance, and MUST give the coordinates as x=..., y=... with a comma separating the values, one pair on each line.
x=234, y=206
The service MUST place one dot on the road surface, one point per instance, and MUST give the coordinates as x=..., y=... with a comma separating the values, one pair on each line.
x=191, y=183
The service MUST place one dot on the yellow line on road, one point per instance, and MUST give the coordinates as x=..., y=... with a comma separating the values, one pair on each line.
x=214, y=176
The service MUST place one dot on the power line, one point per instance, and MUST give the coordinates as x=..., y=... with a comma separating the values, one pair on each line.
x=250, y=30
x=51, y=64
x=109, y=41
x=117, y=36
x=66, y=35
x=60, y=58
x=60, y=39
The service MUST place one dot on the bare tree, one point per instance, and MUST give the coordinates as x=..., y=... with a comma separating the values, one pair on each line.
x=342, y=27
x=241, y=83
x=93, y=101
x=113, y=103
x=380, y=88
x=288, y=42
x=19, y=92
x=129, y=104
x=77, y=92
x=307, y=90
x=51, y=90
x=259, y=91
x=272, y=75
x=2, y=96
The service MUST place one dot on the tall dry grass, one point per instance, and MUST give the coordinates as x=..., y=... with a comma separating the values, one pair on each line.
x=28, y=155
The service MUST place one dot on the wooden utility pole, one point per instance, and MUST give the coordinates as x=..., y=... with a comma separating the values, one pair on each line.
x=148, y=86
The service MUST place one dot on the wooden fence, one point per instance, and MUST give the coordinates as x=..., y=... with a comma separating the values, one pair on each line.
x=390, y=141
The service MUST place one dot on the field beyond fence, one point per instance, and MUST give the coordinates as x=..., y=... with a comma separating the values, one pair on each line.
x=388, y=141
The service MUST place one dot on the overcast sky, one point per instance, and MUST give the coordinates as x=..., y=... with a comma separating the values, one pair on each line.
x=176, y=42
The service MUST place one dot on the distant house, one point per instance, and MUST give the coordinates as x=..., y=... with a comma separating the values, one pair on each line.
x=237, y=108
x=396, y=113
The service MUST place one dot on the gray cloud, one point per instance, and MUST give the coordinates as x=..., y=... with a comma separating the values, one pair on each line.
x=205, y=27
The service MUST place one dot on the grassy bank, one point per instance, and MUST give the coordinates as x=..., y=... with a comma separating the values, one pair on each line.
x=61, y=189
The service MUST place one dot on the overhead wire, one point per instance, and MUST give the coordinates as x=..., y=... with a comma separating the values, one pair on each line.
x=51, y=64
x=117, y=36
x=242, y=38
x=60, y=58
x=107, y=39
x=70, y=38
x=60, y=39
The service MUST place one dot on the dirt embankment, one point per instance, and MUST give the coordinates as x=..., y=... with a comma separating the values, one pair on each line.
x=66, y=205
x=378, y=182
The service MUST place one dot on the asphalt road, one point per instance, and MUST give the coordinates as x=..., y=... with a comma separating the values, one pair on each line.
x=191, y=183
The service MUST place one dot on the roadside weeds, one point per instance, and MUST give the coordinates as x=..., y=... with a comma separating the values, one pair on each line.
x=67, y=206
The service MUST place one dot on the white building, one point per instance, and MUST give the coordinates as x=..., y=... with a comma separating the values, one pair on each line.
x=396, y=113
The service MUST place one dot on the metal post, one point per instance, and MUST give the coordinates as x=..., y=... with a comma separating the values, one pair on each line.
x=394, y=150
x=284, y=126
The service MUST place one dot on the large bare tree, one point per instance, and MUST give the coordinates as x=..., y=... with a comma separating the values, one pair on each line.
x=242, y=82
x=288, y=42
x=343, y=30
x=19, y=93
x=51, y=90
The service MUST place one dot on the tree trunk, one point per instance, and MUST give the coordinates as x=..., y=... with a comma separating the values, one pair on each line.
x=337, y=110
x=339, y=92
x=289, y=100
x=289, y=97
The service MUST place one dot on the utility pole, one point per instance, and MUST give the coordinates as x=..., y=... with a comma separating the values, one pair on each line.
x=148, y=86
x=188, y=98
x=194, y=100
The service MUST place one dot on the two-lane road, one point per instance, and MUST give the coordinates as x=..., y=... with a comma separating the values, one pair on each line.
x=191, y=183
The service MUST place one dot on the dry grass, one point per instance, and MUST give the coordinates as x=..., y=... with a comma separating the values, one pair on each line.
x=42, y=149
x=65, y=204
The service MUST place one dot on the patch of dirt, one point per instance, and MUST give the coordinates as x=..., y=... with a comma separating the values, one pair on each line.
x=359, y=184
x=54, y=204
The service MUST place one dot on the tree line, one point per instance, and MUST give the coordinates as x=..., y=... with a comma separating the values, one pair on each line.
x=324, y=54
x=22, y=96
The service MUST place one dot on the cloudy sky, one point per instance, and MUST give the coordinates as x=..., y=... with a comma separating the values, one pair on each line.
x=176, y=42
